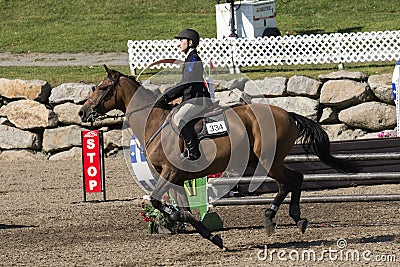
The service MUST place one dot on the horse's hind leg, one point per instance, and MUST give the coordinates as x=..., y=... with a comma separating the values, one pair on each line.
x=271, y=211
x=296, y=180
x=289, y=181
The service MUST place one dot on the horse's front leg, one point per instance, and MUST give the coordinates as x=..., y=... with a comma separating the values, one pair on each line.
x=181, y=200
x=163, y=186
x=179, y=194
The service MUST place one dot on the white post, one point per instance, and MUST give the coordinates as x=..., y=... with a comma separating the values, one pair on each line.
x=396, y=89
x=210, y=83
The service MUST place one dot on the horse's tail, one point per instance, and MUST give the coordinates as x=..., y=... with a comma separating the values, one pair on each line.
x=314, y=137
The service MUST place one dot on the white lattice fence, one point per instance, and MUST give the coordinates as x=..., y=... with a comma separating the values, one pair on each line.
x=289, y=50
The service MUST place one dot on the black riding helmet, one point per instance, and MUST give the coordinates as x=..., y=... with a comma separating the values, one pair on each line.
x=191, y=35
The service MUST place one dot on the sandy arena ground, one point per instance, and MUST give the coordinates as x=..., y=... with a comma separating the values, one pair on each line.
x=44, y=222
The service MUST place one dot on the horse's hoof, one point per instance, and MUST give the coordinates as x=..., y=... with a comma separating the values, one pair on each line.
x=302, y=225
x=175, y=216
x=217, y=240
x=269, y=226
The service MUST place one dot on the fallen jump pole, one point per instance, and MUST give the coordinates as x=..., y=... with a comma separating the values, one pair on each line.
x=233, y=201
x=364, y=156
x=395, y=176
x=385, y=176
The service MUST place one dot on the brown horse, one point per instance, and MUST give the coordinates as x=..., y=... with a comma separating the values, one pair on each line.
x=260, y=137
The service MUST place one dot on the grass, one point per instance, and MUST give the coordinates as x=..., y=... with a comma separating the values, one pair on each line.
x=325, y=16
x=55, y=26
x=58, y=75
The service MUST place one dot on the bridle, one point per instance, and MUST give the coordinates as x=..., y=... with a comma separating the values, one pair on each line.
x=107, y=95
x=111, y=88
x=110, y=91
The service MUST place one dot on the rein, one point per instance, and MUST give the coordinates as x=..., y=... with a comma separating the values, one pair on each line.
x=106, y=116
x=138, y=109
x=127, y=115
x=114, y=83
x=165, y=123
x=161, y=61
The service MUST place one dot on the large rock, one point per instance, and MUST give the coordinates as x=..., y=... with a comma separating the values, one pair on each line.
x=113, y=139
x=373, y=116
x=345, y=93
x=302, y=105
x=29, y=114
x=381, y=86
x=73, y=153
x=14, y=138
x=70, y=92
x=32, y=89
x=340, y=132
x=67, y=113
x=222, y=85
x=343, y=74
x=303, y=86
x=237, y=83
x=61, y=138
x=232, y=98
x=268, y=87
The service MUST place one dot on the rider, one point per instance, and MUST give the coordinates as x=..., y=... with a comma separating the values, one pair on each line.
x=195, y=96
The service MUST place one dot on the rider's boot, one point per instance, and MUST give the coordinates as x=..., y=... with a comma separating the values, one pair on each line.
x=192, y=151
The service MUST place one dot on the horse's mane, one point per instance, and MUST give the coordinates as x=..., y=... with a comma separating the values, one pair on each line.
x=133, y=79
x=146, y=92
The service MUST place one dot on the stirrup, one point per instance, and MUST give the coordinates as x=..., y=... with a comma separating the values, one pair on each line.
x=190, y=156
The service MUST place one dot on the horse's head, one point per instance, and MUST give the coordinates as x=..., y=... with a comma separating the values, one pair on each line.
x=104, y=97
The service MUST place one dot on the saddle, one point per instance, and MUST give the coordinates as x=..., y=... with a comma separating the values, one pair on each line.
x=211, y=123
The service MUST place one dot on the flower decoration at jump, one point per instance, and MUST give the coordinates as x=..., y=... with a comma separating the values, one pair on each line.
x=157, y=221
x=216, y=175
x=385, y=134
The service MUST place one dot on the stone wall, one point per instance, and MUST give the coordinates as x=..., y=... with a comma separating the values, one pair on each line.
x=40, y=122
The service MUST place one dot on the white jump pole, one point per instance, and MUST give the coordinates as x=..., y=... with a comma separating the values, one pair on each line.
x=396, y=88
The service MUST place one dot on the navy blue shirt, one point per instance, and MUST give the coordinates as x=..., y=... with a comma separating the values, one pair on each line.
x=192, y=83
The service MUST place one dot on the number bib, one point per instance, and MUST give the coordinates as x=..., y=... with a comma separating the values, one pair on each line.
x=216, y=127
